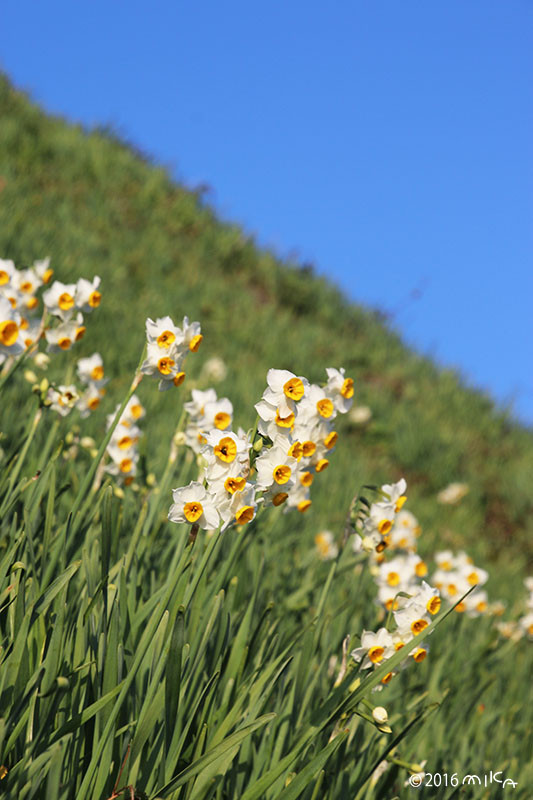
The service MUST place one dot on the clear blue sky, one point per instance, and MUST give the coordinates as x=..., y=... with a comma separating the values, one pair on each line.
x=388, y=143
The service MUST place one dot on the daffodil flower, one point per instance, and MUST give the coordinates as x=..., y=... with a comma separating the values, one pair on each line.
x=193, y=504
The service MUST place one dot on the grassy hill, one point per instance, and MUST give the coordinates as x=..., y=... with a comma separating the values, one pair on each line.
x=96, y=206
x=209, y=666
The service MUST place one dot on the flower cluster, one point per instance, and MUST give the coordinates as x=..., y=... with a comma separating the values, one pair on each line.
x=206, y=413
x=67, y=302
x=296, y=423
x=375, y=528
x=411, y=617
x=122, y=448
x=20, y=326
x=166, y=348
x=455, y=575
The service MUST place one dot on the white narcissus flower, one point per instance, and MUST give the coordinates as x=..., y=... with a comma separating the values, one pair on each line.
x=91, y=370
x=340, y=389
x=59, y=299
x=375, y=648
x=395, y=493
x=7, y=271
x=42, y=269
x=163, y=333
x=274, y=466
x=192, y=337
x=325, y=544
x=285, y=390
x=62, y=399
x=194, y=505
x=222, y=448
x=65, y=334
x=317, y=407
x=164, y=364
x=239, y=506
x=10, y=339
x=26, y=281
x=87, y=296
x=218, y=414
x=195, y=407
x=89, y=400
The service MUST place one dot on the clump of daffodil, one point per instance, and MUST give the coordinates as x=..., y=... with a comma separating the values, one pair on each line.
x=455, y=575
x=122, y=448
x=67, y=302
x=167, y=345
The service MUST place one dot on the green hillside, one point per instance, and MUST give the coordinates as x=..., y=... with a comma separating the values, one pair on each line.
x=172, y=660
x=98, y=207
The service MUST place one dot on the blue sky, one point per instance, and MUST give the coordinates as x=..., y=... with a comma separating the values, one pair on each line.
x=387, y=143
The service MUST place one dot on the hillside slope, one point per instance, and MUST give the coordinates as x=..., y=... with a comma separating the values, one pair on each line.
x=97, y=207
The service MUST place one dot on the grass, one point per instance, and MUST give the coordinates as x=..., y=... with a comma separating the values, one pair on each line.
x=131, y=656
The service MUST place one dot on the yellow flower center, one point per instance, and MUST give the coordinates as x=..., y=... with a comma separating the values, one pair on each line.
x=66, y=301
x=419, y=655
x=421, y=569
x=64, y=342
x=433, y=604
x=233, y=485
x=195, y=342
x=347, y=388
x=303, y=505
x=32, y=303
x=93, y=403
x=452, y=589
x=296, y=450
x=279, y=498
x=321, y=465
x=47, y=275
x=282, y=473
x=306, y=478
x=136, y=410
x=393, y=579
x=193, y=511
x=391, y=604
x=24, y=324
x=284, y=422
x=4, y=277
x=387, y=678
x=418, y=625
x=124, y=442
x=308, y=448
x=178, y=378
x=126, y=464
x=376, y=654
x=400, y=502
x=244, y=515
x=384, y=526
x=94, y=299
x=481, y=606
x=97, y=373
x=164, y=365
x=222, y=420
x=13, y=301
x=331, y=439
x=165, y=339
x=294, y=389
x=226, y=449
x=325, y=407
x=473, y=578
x=460, y=607
x=26, y=287
x=8, y=332
x=80, y=333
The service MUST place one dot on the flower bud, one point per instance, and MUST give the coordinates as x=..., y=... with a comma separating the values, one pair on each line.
x=380, y=715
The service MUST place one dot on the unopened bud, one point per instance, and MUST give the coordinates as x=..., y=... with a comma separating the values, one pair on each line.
x=87, y=442
x=41, y=360
x=30, y=376
x=258, y=444
x=380, y=715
